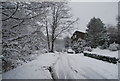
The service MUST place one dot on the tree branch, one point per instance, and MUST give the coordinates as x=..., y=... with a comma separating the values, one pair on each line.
x=11, y=14
x=65, y=28
x=17, y=24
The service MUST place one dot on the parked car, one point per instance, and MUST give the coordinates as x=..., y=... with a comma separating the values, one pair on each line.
x=70, y=51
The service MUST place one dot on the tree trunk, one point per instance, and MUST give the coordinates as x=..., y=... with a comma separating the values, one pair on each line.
x=52, y=39
x=52, y=46
x=48, y=41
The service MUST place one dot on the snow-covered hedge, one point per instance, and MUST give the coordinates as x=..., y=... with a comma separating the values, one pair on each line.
x=113, y=47
x=103, y=58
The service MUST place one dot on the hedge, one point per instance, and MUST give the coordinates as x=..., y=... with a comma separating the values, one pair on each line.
x=103, y=58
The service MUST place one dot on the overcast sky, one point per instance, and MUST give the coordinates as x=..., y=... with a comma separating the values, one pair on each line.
x=106, y=11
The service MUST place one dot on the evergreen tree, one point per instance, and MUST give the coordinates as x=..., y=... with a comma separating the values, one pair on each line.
x=96, y=33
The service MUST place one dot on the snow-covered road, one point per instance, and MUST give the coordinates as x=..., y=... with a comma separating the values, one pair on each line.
x=64, y=66
x=80, y=67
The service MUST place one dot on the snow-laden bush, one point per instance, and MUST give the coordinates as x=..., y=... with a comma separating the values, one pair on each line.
x=118, y=46
x=9, y=64
x=78, y=47
x=42, y=51
x=87, y=48
x=104, y=46
x=113, y=47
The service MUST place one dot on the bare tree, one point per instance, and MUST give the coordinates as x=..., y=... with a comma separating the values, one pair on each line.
x=59, y=21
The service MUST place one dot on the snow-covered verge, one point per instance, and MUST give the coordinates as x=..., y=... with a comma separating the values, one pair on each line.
x=104, y=52
x=35, y=69
x=64, y=66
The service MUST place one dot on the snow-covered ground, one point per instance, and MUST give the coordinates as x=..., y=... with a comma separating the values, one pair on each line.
x=104, y=52
x=64, y=66
x=34, y=69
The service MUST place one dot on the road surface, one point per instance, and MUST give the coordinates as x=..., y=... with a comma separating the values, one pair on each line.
x=64, y=66
x=80, y=67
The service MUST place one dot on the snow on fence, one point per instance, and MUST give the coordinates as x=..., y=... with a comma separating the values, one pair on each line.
x=103, y=58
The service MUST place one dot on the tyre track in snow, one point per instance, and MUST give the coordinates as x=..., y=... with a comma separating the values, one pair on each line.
x=64, y=69
x=74, y=69
x=86, y=71
x=68, y=72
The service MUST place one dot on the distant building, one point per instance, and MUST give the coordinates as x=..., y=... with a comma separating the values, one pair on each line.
x=76, y=35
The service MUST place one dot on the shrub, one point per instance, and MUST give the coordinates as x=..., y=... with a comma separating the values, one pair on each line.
x=87, y=49
x=113, y=47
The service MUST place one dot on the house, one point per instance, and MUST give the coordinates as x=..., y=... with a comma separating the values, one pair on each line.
x=76, y=35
